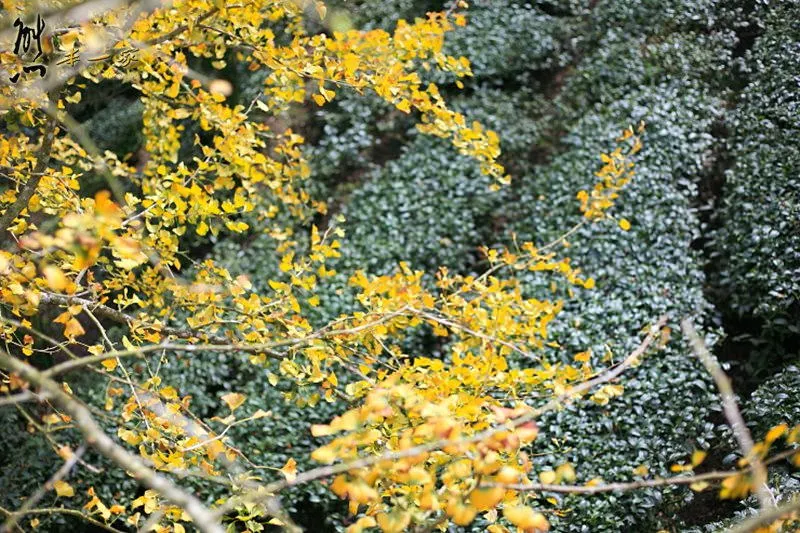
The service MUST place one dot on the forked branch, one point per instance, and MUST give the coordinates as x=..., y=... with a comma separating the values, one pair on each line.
x=203, y=518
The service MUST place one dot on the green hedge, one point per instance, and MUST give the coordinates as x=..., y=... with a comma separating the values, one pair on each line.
x=640, y=274
x=758, y=243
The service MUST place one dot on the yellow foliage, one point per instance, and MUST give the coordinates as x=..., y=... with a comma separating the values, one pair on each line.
x=63, y=489
x=116, y=258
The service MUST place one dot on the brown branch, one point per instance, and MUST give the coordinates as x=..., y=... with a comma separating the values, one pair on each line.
x=216, y=343
x=41, y=491
x=332, y=470
x=115, y=315
x=202, y=517
x=767, y=517
x=54, y=444
x=732, y=414
x=29, y=189
x=626, y=486
x=21, y=398
x=61, y=510
x=613, y=487
x=455, y=325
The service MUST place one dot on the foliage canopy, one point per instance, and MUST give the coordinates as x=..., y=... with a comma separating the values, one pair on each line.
x=104, y=247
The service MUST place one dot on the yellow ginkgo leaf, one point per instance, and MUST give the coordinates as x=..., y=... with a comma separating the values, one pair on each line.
x=526, y=518
x=697, y=457
x=233, y=400
x=774, y=433
x=484, y=499
x=547, y=477
x=289, y=470
x=73, y=328
x=55, y=278
x=63, y=489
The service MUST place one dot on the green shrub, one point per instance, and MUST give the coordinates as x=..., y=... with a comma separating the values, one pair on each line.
x=758, y=243
x=505, y=39
x=641, y=274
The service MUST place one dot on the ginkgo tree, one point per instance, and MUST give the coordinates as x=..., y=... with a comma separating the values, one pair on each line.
x=426, y=442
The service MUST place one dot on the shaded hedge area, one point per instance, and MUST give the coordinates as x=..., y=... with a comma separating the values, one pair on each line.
x=757, y=246
x=714, y=234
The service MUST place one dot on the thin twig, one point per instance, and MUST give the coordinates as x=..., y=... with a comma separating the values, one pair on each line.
x=202, y=517
x=627, y=486
x=41, y=491
x=29, y=189
x=22, y=397
x=220, y=345
x=64, y=511
x=117, y=316
x=732, y=414
x=767, y=517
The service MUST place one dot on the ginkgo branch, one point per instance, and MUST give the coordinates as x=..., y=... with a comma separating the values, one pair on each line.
x=42, y=490
x=455, y=325
x=226, y=346
x=732, y=414
x=110, y=50
x=627, y=486
x=77, y=130
x=29, y=189
x=110, y=313
x=203, y=518
x=54, y=444
x=60, y=510
x=125, y=373
x=555, y=403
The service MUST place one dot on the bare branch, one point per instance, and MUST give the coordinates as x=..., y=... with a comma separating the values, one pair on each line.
x=41, y=491
x=202, y=517
x=634, y=485
x=732, y=414
x=21, y=398
x=767, y=517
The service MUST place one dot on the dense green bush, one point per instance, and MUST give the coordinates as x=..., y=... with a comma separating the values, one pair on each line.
x=758, y=243
x=774, y=402
x=640, y=274
x=505, y=40
x=430, y=207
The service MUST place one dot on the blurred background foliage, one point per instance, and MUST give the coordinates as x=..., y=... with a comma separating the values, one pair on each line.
x=715, y=233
